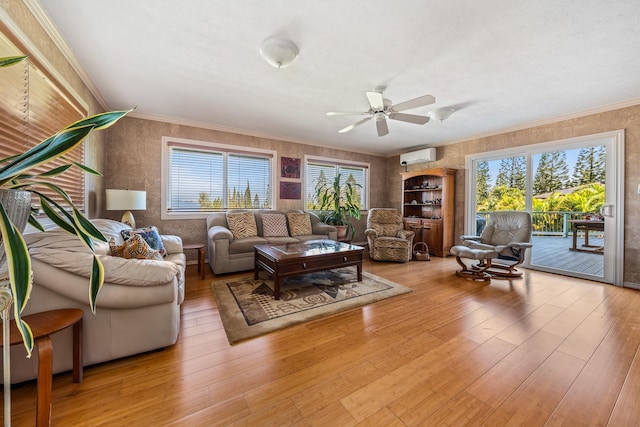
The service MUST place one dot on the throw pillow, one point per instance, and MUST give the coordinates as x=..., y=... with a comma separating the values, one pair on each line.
x=150, y=235
x=242, y=225
x=274, y=225
x=299, y=224
x=134, y=248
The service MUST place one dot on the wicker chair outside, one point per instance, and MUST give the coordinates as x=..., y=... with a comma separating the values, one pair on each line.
x=387, y=239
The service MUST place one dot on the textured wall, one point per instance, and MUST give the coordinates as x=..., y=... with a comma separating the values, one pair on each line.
x=133, y=157
x=453, y=156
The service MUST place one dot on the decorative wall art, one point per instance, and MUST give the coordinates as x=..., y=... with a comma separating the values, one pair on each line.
x=290, y=190
x=289, y=167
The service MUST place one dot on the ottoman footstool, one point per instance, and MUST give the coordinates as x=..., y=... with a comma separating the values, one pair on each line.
x=476, y=272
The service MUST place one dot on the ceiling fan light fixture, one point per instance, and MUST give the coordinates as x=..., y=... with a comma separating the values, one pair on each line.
x=279, y=53
x=441, y=114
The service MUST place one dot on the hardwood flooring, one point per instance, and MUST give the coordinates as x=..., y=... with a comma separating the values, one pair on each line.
x=544, y=350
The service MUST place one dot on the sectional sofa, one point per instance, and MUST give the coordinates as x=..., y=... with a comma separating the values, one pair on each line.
x=138, y=308
x=233, y=234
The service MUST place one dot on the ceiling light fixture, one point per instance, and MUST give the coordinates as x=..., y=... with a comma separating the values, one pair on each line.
x=441, y=114
x=279, y=53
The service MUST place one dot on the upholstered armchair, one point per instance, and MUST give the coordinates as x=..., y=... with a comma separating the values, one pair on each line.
x=387, y=239
x=509, y=234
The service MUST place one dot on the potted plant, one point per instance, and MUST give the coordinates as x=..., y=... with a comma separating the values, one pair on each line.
x=15, y=176
x=337, y=202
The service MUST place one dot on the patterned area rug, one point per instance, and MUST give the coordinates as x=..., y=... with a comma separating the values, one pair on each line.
x=247, y=307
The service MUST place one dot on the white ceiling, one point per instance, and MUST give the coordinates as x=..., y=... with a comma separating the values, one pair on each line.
x=502, y=64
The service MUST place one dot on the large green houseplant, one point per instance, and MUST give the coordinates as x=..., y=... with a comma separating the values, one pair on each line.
x=338, y=201
x=15, y=175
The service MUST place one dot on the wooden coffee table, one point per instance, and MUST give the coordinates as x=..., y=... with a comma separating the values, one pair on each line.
x=305, y=257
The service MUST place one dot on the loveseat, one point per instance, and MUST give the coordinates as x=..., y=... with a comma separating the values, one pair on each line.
x=230, y=246
x=137, y=310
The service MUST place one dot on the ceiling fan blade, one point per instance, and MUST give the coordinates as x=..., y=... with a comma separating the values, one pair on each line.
x=381, y=126
x=414, y=103
x=348, y=128
x=375, y=100
x=347, y=113
x=411, y=118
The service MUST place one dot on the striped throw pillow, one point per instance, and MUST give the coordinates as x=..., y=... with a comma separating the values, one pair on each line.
x=299, y=224
x=242, y=225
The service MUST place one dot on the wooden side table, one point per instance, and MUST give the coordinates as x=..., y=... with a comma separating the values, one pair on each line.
x=200, y=248
x=43, y=325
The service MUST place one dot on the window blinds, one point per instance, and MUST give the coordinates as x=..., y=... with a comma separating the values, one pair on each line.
x=320, y=173
x=205, y=179
x=32, y=108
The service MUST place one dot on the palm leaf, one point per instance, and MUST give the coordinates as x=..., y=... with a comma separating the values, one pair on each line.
x=95, y=282
x=55, y=216
x=87, y=226
x=34, y=223
x=10, y=60
x=44, y=152
x=102, y=120
x=19, y=266
x=87, y=169
x=56, y=171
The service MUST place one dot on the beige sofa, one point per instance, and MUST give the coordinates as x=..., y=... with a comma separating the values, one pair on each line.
x=227, y=254
x=138, y=308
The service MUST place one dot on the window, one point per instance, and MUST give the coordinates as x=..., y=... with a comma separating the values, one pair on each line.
x=321, y=170
x=33, y=106
x=202, y=177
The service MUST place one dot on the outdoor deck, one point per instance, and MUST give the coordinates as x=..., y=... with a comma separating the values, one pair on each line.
x=553, y=251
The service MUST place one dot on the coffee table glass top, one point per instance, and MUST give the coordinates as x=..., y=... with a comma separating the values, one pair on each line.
x=315, y=247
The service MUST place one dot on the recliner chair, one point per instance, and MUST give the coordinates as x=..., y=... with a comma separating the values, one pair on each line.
x=509, y=234
x=388, y=240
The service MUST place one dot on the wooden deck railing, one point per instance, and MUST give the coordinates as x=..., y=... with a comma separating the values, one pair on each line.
x=549, y=223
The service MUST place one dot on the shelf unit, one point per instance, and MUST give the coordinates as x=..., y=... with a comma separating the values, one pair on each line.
x=428, y=199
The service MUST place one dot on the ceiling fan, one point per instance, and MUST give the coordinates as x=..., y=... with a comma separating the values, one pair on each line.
x=382, y=108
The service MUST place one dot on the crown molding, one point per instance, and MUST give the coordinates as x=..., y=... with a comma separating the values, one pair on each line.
x=43, y=19
x=209, y=126
x=33, y=50
x=584, y=113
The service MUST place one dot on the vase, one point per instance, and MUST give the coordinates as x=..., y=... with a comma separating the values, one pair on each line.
x=17, y=204
x=342, y=231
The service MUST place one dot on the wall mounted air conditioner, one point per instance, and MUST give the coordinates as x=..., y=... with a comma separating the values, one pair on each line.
x=420, y=156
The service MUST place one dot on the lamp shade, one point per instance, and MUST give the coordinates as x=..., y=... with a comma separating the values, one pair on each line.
x=125, y=200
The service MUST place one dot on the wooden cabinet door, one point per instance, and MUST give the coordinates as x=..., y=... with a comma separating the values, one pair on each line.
x=432, y=236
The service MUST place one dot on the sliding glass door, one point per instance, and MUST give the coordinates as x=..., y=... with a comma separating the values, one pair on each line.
x=573, y=190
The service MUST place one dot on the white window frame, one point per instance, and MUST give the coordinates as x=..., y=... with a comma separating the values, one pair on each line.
x=338, y=162
x=169, y=215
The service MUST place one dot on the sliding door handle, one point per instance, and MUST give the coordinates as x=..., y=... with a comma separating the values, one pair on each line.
x=607, y=210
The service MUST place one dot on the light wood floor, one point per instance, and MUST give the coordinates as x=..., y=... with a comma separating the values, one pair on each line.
x=542, y=350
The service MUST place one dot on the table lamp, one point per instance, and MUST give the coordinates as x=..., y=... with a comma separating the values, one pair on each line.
x=126, y=200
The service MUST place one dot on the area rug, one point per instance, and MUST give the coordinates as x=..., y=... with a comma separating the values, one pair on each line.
x=247, y=307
